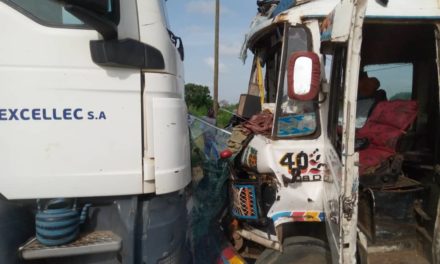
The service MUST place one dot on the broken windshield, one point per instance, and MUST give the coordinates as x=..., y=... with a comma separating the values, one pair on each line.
x=294, y=118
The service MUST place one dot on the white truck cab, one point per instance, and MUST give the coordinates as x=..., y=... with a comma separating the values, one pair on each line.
x=92, y=109
x=348, y=171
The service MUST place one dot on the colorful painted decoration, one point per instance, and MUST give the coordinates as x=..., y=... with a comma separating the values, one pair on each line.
x=229, y=256
x=249, y=158
x=307, y=216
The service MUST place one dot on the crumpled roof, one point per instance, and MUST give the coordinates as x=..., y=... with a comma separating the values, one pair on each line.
x=265, y=17
x=258, y=23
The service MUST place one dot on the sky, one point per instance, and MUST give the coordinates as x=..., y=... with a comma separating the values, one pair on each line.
x=193, y=21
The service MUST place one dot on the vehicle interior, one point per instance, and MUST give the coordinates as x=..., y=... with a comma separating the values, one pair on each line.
x=397, y=137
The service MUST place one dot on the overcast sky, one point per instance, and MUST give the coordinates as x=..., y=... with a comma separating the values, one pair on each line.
x=193, y=20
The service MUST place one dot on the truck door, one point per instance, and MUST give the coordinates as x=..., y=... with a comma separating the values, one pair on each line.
x=341, y=34
x=69, y=127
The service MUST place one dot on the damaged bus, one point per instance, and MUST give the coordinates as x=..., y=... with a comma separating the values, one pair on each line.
x=337, y=159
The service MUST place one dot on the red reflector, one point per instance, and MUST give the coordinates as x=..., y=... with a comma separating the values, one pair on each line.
x=226, y=154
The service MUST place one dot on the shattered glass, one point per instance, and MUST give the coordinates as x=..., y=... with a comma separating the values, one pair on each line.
x=208, y=190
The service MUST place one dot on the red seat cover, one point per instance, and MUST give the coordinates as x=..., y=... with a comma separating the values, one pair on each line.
x=384, y=127
x=371, y=158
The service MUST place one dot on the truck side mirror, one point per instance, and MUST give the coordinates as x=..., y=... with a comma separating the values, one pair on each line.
x=303, y=75
x=127, y=53
x=113, y=52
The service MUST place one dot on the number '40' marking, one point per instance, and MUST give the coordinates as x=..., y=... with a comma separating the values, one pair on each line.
x=292, y=162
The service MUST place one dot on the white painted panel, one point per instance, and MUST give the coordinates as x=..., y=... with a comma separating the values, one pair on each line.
x=404, y=8
x=342, y=21
x=420, y=9
x=51, y=68
x=171, y=149
x=305, y=193
x=153, y=23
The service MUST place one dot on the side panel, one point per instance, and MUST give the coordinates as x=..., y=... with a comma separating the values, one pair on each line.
x=300, y=196
x=331, y=199
x=68, y=127
x=341, y=180
x=166, y=157
x=172, y=159
x=350, y=183
x=166, y=134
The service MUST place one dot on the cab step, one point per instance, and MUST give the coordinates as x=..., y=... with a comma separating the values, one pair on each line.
x=87, y=243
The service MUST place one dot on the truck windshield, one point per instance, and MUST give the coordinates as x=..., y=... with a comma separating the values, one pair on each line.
x=294, y=118
x=53, y=13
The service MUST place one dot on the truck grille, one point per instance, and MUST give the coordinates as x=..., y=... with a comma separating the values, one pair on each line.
x=244, y=201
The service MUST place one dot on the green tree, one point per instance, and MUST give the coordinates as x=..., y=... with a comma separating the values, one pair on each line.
x=197, y=96
x=199, y=101
x=225, y=114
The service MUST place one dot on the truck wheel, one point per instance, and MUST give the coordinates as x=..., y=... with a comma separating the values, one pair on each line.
x=297, y=250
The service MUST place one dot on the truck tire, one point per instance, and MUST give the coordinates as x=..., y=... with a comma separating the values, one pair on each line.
x=297, y=250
